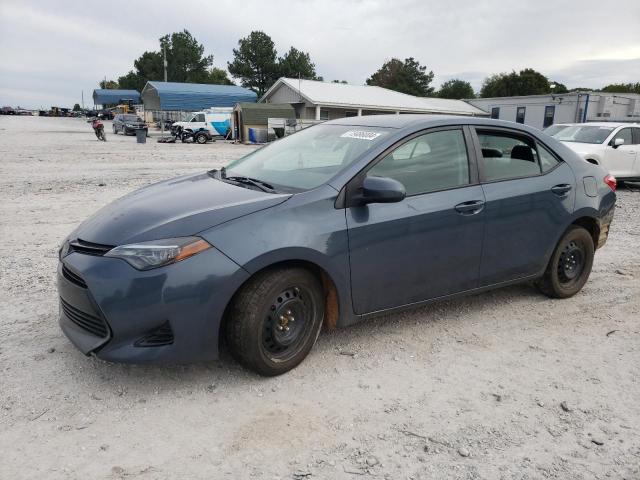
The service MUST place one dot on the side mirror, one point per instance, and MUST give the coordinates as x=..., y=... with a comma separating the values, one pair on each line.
x=617, y=142
x=378, y=190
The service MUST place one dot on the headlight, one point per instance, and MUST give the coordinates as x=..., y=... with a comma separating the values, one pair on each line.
x=64, y=249
x=128, y=125
x=147, y=255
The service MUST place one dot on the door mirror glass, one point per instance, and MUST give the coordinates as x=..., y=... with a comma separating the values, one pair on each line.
x=617, y=142
x=379, y=190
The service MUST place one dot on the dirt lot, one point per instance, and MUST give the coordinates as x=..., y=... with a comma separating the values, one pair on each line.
x=468, y=389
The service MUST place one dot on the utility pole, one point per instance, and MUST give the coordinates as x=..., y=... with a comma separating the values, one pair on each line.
x=83, y=100
x=164, y=56
x=164, y=62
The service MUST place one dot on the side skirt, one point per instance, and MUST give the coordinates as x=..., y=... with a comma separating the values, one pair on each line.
x=465, y=293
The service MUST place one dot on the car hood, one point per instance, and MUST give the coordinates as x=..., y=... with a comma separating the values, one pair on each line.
x=174, y=208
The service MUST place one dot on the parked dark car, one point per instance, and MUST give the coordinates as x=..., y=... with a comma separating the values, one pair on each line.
x=127, y=124
x=332, y=225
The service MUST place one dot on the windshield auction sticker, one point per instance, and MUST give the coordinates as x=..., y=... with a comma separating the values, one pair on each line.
x=361, y=135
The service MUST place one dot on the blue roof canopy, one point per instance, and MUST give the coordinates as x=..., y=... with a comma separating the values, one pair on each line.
x=103, y=96
x=193, y=96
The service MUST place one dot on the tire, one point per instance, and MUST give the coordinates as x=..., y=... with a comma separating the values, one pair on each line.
x=201, y=138
x=569, y=266
x=275, y=320
x=115, y=130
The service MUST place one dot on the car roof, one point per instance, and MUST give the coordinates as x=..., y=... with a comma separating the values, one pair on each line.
x=415, y=122
x=422, y=121
x=601, y=124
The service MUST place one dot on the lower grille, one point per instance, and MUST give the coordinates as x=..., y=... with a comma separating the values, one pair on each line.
x=161, y=336
x=86, y=321
x=73, y=277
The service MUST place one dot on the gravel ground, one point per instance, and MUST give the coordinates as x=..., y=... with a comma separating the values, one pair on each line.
x=503, y=385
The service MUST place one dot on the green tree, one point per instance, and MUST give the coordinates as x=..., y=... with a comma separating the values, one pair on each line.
x=559, y=87
x=406, y=77
x=186, y=62
x=254, y=62
x=218, y=76
x=622, y=88
x=456, y=89
x=109, y=84
x=297, y=64
x=525, y=82
x=76, y=107
x=132, y=81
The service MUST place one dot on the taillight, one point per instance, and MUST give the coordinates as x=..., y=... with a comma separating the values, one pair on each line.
x=611, y=181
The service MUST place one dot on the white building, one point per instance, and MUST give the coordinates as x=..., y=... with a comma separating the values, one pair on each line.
x=314, y=100
x=540, y=111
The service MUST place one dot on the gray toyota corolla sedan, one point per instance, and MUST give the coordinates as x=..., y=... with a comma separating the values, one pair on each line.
x=331, y=225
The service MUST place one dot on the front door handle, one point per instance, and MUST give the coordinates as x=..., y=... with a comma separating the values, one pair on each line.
x=562, y=189
x=470, y=208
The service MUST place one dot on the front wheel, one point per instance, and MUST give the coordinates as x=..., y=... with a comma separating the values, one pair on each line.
x=570, y=264
x=201, y=138
x=275, y=319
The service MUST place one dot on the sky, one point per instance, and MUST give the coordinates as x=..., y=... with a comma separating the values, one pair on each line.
x=52, y=51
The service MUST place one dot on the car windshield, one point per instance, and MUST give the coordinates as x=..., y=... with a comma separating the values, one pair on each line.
x=131, y=118
x=309, y=158
x=583, y=134
x=553, y=129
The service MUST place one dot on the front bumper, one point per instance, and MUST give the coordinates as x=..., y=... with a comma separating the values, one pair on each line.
x=170, y=314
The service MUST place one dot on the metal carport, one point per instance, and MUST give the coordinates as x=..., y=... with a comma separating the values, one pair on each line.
x=103, y=96
x=173, y=96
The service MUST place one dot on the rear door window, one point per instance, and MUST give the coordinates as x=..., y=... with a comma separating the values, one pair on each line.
x=506, y=155
x=547, y=159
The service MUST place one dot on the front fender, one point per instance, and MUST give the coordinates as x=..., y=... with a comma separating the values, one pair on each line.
x=306, y=228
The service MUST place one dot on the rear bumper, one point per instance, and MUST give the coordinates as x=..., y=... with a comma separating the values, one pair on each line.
x=605, y=222
x=166, y=315
x=132, y=131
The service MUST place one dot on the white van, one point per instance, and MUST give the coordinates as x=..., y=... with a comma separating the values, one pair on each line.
x=216, y=120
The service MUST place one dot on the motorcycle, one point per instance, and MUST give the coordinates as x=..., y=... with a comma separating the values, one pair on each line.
x=98, y=129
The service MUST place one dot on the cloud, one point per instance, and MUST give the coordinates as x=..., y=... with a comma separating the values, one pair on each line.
x=61, y=48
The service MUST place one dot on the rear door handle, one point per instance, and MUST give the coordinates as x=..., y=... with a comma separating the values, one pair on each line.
x=470, y=208
x=561, y=189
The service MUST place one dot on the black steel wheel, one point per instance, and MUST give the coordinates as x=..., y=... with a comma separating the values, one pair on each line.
x=201, y=138
x=570, y=265
x=275, y=319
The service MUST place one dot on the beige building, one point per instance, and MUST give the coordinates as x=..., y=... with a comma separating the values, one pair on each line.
x=314, y=100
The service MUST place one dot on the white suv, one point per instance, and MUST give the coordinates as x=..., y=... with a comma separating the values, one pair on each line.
x=615, y=146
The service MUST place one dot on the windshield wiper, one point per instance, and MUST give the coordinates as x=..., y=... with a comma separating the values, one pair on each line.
x=265, y=187
x=254, y=182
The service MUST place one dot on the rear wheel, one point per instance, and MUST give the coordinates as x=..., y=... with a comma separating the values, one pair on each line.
x=570, y=264
x=275, y=319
